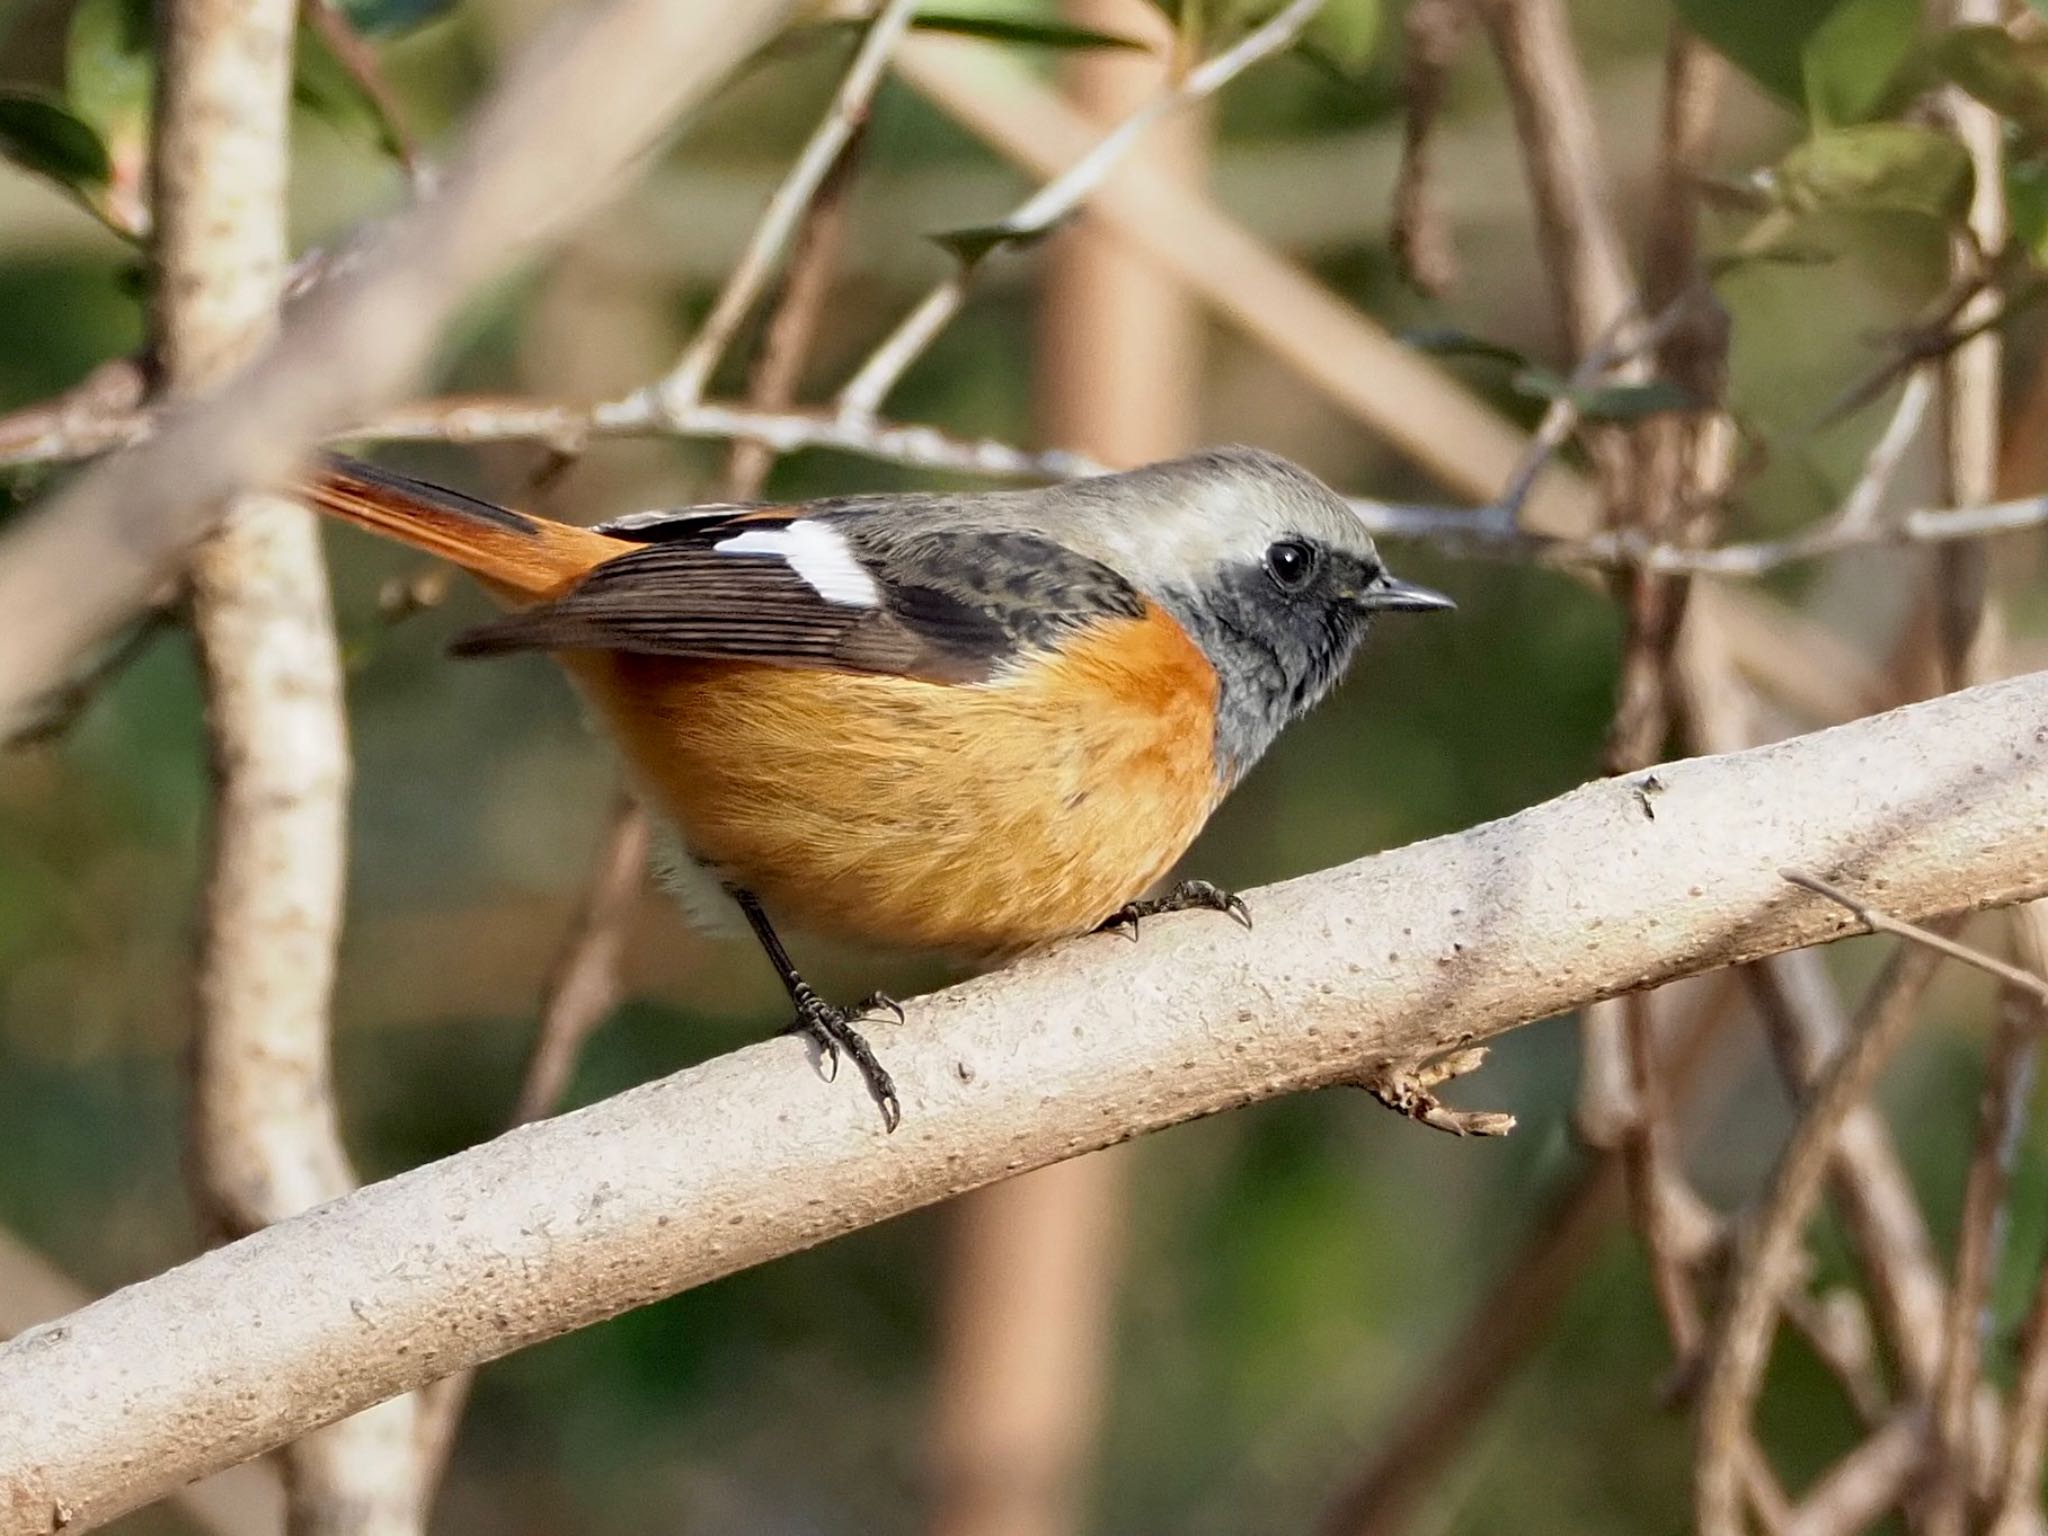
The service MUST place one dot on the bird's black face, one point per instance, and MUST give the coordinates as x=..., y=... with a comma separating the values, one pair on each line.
x=1281, y=631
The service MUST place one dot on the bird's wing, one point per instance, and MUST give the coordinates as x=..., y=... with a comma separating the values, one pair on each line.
x=840, y=585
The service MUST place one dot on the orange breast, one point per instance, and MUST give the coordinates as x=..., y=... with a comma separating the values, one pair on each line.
x=974, y=819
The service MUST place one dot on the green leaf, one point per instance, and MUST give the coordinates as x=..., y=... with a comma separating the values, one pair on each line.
x=1344, y=33
x=1606, y=402
x=1449, y=341
x=391, y=18
x=2008, y=76
x=973, y=244
x=1843, y=61
x=322, y=84
x=1877, y=168
x=1032, y=31
x=110, y=69
x=2026, y=201
x=1766, y=41
x=47, y=138
x=1342, y=36
x=1852, y=62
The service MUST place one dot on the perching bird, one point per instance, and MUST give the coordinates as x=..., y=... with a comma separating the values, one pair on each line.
x=965, y=722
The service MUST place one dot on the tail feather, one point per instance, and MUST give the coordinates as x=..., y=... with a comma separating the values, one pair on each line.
x=519, y=557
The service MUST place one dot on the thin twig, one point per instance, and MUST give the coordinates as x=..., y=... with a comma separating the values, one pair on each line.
x=359, y=59
x=869, y=387
x=1880, y=1210
x=786, y=341
x=587, y=983
x=683, y=386
x=2001, y=1121
x=1458, y=531
x=1859, y=510
x=1623, y=344
x=1877, y=921
x=2017, y=1490
x=1450, y=1397
x=1853, y=1494
x=1433, y=30
x=1737, y=1356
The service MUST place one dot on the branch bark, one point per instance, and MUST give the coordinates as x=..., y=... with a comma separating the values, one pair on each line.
x=1941, y=806
x=266, y=1142
x=247, y=1500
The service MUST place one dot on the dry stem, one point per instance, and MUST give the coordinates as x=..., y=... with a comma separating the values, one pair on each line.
x=1742, y=1345
x=865, y=392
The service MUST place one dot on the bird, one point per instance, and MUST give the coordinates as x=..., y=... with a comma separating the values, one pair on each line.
x=964, y=722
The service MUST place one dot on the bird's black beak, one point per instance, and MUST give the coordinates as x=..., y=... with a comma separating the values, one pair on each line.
x=1388, y=595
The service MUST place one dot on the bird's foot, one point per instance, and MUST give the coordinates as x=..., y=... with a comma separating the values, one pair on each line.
x=832, y=1029
x=1188, y=896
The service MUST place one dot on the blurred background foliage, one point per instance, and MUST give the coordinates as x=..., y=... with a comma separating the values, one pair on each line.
x=1291, y=1267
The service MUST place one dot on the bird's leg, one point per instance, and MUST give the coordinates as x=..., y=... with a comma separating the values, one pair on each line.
x=827, y=1023
x=1187, y=896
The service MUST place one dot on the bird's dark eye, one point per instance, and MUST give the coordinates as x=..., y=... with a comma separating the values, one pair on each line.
x=1290, y=563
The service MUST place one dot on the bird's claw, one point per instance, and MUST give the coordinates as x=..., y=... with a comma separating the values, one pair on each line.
x=831, y=1028
x=1188, y=896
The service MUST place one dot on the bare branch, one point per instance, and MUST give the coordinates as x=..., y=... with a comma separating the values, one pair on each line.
x=1855, y=1493
x=1458, y=531
x=359, y=59
x=2017, y=1495
x=1742, y=1345
x=266, y=1140
x=1875, y=921
x=1433, y=30
x=870, y=386
x=667, y=1186
x=1804, y=1015
x=579, y=105
x=683, y=387
x=1452, y=1393
x=1574, y=201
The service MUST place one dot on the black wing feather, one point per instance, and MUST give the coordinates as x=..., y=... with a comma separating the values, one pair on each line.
x=956, y=605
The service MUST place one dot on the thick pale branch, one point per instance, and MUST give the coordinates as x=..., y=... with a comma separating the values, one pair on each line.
x=1939, y=807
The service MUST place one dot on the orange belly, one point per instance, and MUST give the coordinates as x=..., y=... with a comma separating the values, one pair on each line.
x=979, y=820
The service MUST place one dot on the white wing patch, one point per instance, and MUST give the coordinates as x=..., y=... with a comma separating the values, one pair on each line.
x=818, y=554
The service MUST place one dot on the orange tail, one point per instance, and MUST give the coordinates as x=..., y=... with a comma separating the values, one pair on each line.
x=517, y=556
